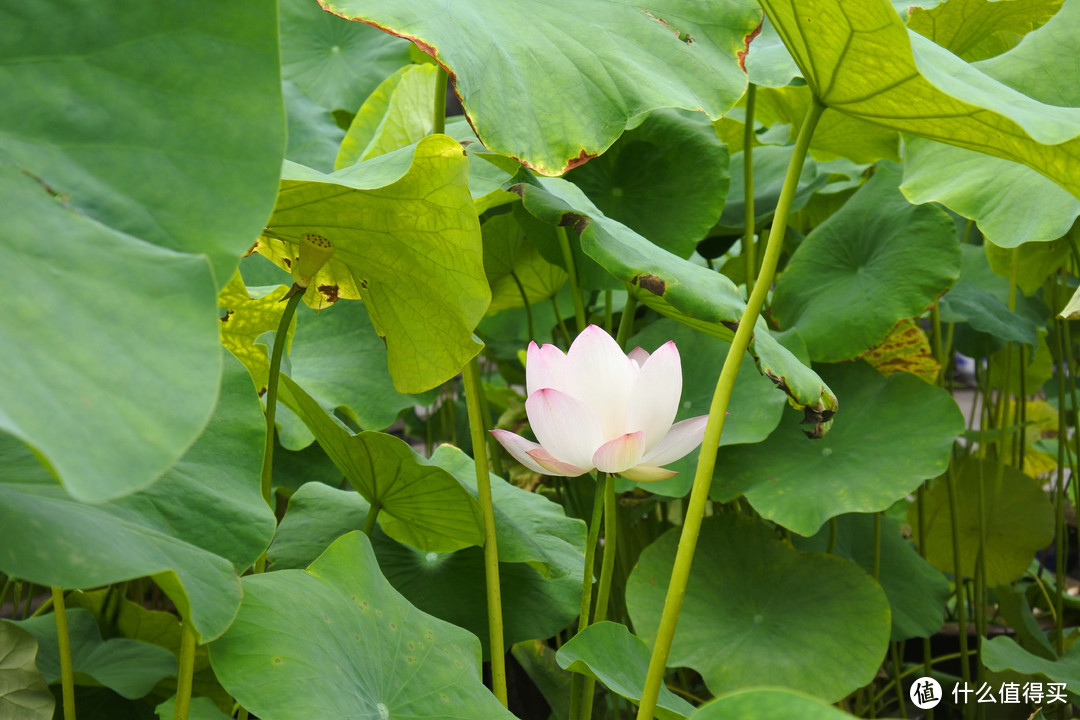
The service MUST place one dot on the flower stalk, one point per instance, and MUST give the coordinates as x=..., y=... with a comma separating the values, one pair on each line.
x=699, y=496
x=67, y=673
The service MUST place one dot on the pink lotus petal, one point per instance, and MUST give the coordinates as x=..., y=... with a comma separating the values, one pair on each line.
x=565, y=426
x=681, y=439
x=639, y=355
x=647, y=473
x=545, y=367
x=600, y=375
x=555, y=466
x=519, y=448
x=622, y=453
x=654, y=398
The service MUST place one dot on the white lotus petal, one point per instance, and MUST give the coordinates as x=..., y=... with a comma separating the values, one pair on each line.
x=600, y=375
x=683, y=437
x=545, y=367
x=647, y=473
x=639, y=355
x=622, y=453
x=519, y=447
x=654, y=399
x=565, y=426
x=556, y=466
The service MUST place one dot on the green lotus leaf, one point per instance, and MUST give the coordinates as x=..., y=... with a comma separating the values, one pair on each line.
x=1018, y=519
x=130, y=667
x=770, y=166
x=917, y=592
x=363, y=649
x=193, y=531
x=608, y=652
x=1029, y=265
x=201, y=708
x=1002, y=653
x=515, y=267
x=757, y=612
x=969, y=303
x=666, y=180
x=768, y=63
x=136, y=206
x=419, y=502
x=593, y=66
x=768, y=704
x=877, y=261
x=314, y=135
x=862, y=61
x=398, y=113
x=422, y=284
x=335, y=62
x=24, y=694
x=893, y=434
x=977, y=29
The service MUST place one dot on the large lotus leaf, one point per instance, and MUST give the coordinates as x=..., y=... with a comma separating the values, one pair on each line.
x=757, y=612
x=420, y=503
x=592, y=66
x=862, y=61
x=755, y=409
x=335, y=62
x=877, y=261
x=1011, y=203
x=608, y=652
x=967, y=302
x=768, y=63
x=1002, y=653
x=770, y=167
x=397, y=114
x=407, y=241
x=314, y=135
x=515, y=267
x=836, y=134
x=24, y=694
x=893, y=434
x=1018, y=518
x=1029, y=265
x=768, y=704
x=917, y=592
x=641, y=181
x=192, y=530
x=130, y=667
x=977, y=29
x=690, y=293
x=905, y=349
x=363, y=651
x=132, y=186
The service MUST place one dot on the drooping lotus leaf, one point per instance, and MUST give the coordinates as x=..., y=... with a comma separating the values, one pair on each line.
x=917, y=591
x=516, y=270
x=666, y=179
x=977, y=29
x=419, y=502
x=767, y=704
x=1029, y=265
x=130, y=667
x=768, y=63
x=690, y=293
x=592, y=66
x=864, y=62
x=892, y=435
x=877, y=261
x=363, y=649
x=398, y=113
x=24, y=694
x=967, y=302
x=422, y=283
x=335, y=62
x=1018, y=519
x=905, y=349
x=608, y=652
x=1002, y=653
x=245, y=319
x=192, y=531
x=757, y=612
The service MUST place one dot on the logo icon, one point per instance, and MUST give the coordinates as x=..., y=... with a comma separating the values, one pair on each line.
x=925, y=693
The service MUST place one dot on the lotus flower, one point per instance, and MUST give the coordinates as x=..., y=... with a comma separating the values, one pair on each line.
x=595, y=408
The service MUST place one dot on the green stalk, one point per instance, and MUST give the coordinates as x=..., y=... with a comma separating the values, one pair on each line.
x=749, y=256
x=439, y=109
x=528, y=307
x=877, y=544
x=369, y=521
x=961, y=601
x=471, y=374
x=607, y=566
x=626, y=321
x=67, y=674
x=1059, y=494
x=571, y=269
x=695, y=511
x=185, y=673
x=271, y=406
x=576, y=680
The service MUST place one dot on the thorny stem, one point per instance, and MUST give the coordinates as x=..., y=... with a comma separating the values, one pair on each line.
x=67, y=673
x=471, y=375
x=695, y=511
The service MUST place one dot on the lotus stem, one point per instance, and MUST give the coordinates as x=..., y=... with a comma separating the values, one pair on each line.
x=575, y=285
x=185, y=673
x=67, y=673
x=695, y=511
x=607, y=567
x=577, y=681
x=749, y=256
x=438, y=114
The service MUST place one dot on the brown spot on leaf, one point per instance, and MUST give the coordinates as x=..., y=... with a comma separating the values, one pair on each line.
x=363, y=284
x=653, y=283
x=741, y=54
x=288, y=262
x=262, y=391
x=732, y=326
x=582, y=158
x=225, y=317
x=575, y=222
x=330, y=292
